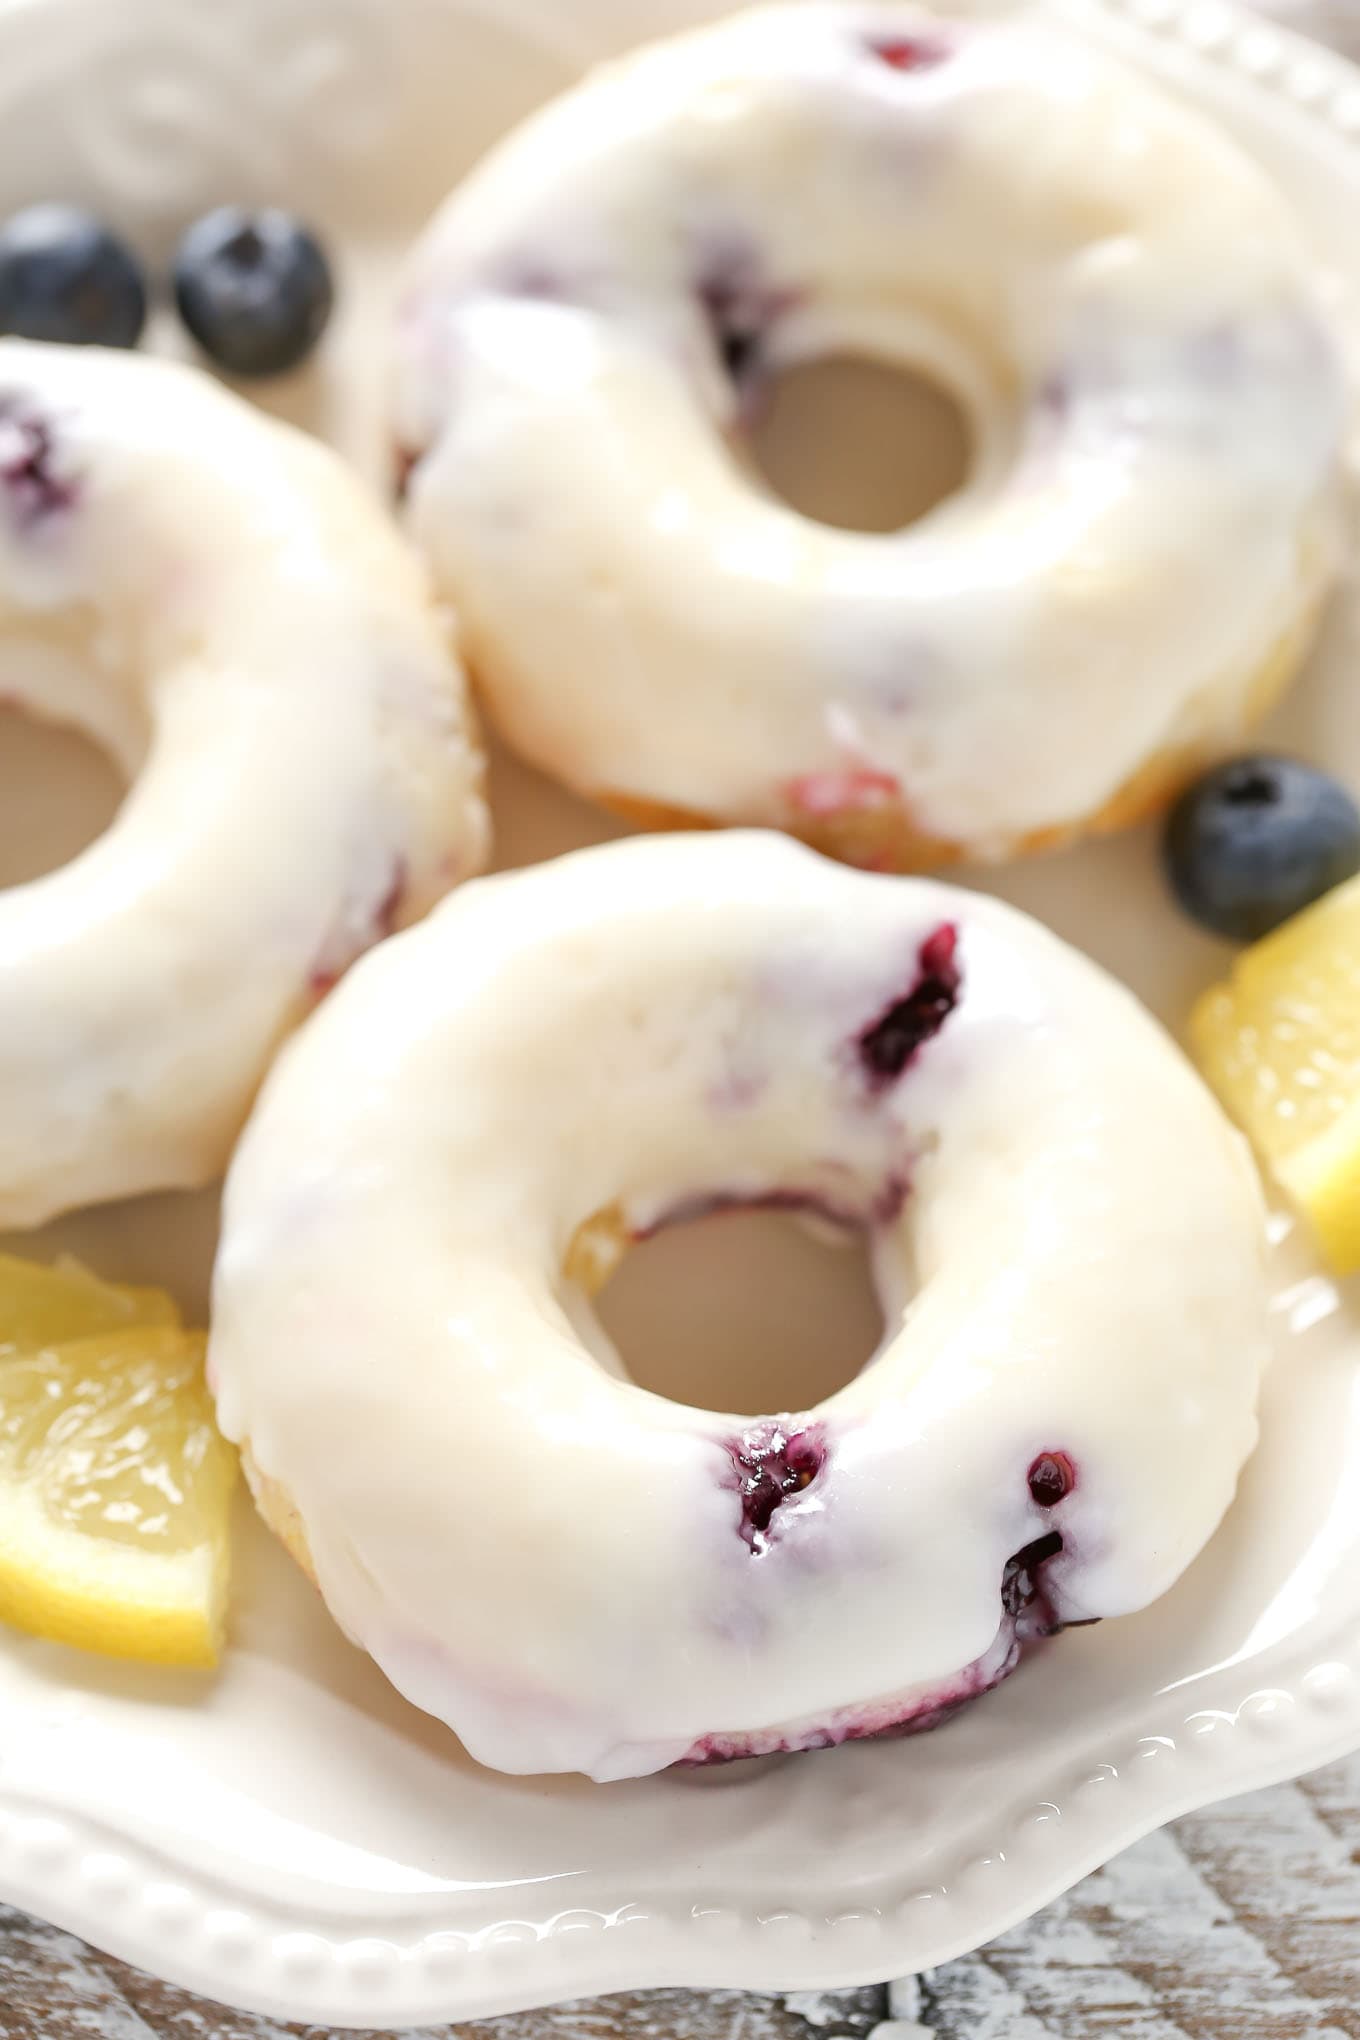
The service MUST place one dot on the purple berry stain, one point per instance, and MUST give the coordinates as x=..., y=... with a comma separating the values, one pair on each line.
x=388, y=909
x=1051, y=1477
x=740, y=308
x=771, y=1464
x=909, y=52
x=328, y=971
x=529, y=276
x=404, y=464
x=736, y=321
x=881, y=1210
x=892, y=1041
x=26, y=463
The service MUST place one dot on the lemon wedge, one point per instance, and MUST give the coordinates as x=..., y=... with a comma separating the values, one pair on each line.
x=1280, y=1043
x=115, y=1484
x=40, y=1306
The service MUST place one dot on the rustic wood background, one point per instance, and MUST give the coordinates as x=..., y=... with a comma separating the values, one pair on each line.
x=1241, y=1923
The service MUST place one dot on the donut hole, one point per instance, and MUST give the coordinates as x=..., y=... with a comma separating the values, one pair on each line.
x=861, y=445
x=747, y=1311
x=58, y=793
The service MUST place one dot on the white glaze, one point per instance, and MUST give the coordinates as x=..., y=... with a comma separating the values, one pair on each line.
x=1119, y=297
x=302, y=1811
x=215, y=600
x=551, y=1559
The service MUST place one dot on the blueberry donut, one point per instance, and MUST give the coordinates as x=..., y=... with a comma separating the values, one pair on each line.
x=1067, y=1238
x=1114, y=292
x=214, y=599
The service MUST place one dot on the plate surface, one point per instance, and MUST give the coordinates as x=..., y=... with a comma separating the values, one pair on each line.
x=291, y=1836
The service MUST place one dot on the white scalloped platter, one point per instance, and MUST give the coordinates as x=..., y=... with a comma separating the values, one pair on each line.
x=290, y=1836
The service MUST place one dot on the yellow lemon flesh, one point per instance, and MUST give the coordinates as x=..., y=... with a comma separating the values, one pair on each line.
x=115, y=1485
x=1280, y=1043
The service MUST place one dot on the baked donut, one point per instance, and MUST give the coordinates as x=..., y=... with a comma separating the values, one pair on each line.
x=1114, y=292
x=212, y=597
x=576, y=1574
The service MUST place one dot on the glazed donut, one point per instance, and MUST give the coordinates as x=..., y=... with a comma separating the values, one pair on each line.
x=213, y=599
x=1114, y=292
x=576, y=1574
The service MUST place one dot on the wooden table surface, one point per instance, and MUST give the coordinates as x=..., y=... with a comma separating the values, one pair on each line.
x=1239, y=1923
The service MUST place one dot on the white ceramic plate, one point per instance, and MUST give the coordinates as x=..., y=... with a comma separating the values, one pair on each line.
x=291, y=1836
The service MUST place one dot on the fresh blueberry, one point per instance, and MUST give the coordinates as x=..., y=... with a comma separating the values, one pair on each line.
x=254, y=289
x=65, y=277
x=1257, y=840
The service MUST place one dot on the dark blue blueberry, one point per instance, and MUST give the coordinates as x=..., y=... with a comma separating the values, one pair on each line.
x=65, y=277
x=32, y=480
x=254, y=289
x=1257, y=840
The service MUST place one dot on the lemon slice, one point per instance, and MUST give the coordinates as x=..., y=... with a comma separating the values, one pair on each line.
x=40, y=1306
x=1280, y=1043
x=115, y=1484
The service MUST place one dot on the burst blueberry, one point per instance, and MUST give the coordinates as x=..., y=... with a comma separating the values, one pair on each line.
x=1051, y=1478
x=253, y=288
x=65, y=277
x=889, y=1044
x=771, y=1464
x=1257, y=840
